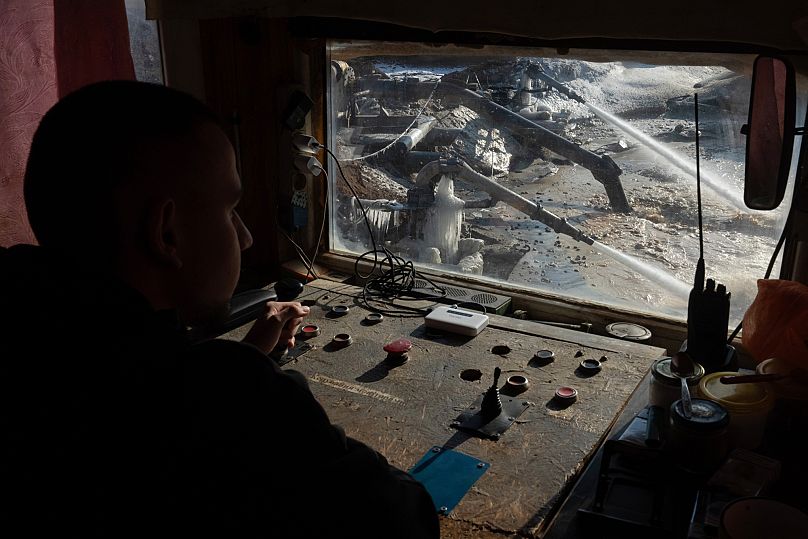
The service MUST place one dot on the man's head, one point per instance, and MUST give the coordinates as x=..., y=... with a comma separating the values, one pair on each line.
x=139, y=180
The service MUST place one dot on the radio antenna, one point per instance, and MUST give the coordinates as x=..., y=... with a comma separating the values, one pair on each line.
x=698, y=281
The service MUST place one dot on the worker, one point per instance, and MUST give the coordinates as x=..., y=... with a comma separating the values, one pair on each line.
x=113, y=423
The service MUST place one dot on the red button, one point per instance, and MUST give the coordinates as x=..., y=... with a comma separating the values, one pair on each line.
x=398, y=346
x=565, y=392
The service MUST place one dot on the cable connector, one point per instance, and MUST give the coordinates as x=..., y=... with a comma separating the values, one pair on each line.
x=305, y=143
x=308, y=164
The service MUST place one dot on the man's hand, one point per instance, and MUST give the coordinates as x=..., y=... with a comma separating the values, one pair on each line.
x=279, y=323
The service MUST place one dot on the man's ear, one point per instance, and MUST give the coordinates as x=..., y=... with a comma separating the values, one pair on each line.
x=163, y=234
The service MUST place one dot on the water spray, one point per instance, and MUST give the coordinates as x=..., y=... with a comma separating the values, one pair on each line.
x=673, y=157
x=535, y=71
x=669, y=155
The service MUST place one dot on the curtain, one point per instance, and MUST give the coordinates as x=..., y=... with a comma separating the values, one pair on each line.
x=47, y=49
x=92, y=43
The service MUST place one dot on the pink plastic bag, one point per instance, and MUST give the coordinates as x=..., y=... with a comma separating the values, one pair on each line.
x=776, y=324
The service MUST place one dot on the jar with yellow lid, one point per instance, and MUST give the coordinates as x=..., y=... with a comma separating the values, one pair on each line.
x=748, y=406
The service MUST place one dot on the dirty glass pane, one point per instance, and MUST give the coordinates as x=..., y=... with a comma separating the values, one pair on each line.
x=573, y=175
x=144, y=42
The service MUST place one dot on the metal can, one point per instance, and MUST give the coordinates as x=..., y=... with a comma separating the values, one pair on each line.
x=698, y=443
x=666, y=385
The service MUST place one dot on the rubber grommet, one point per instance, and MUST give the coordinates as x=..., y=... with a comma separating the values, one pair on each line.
x=590, y=366
x=517, y=382
x=342, y=340
x=374, y=318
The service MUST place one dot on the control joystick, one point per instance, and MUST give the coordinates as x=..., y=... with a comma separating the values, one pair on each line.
x=492, y=404
x=287, y=290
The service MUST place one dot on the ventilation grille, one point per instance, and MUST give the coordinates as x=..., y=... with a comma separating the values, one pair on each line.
x=493, y=303
x=484, y=299
x=453, y=292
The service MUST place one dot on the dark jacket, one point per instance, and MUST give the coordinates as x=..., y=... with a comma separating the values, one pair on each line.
x=112, y=424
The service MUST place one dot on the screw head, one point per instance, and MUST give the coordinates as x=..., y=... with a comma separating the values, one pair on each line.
x=480, y=465
x=436, y=449
x=444, y=509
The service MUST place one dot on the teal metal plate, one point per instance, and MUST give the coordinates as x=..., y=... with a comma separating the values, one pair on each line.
x=447, y=476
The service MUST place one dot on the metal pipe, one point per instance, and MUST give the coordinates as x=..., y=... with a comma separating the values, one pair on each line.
x=461, y=170
x=603, y=168
x=511, y=120
x=535, y=211
x=536, y=72
x=415, y=135
x=415, y=160
x=442, y=136
x=583, y=326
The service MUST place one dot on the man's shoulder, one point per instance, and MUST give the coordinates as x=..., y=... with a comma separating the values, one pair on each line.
x=237, y=366
x=222, y=355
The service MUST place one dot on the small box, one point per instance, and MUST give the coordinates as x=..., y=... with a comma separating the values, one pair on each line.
x=456, y=320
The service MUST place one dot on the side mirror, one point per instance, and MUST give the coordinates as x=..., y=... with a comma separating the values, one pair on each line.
x=770, y=133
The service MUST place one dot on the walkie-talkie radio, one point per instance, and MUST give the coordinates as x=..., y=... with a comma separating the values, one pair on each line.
x=707, y=307
x=707, y=322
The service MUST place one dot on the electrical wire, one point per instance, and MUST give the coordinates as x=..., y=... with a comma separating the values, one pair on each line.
x=364, y=214
x=394, y=283
x=301, y=254
x=309, y=262
x=472, y=305
x=322, y=227
x=784, y=234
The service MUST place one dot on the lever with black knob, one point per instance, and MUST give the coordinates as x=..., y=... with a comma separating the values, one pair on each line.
x=287, y=290
x=492, y=404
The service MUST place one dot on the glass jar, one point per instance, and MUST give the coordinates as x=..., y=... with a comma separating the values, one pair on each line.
x=666, y=386
x=698, y=444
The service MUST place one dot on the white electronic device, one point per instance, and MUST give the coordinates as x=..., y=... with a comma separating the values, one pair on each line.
x=456, y=320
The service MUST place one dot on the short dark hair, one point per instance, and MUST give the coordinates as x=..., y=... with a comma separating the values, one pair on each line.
x=88, y=145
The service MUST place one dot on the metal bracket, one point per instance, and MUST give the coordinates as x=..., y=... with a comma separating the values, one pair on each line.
x=473, y=421
x=295, y=353
x=447, y=475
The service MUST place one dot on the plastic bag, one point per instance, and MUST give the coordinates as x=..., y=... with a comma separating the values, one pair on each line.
x=776, y=324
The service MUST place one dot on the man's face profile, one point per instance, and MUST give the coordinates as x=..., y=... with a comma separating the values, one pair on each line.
x=210, y=234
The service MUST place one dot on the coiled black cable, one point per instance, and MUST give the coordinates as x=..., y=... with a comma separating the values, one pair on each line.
x=395, y=278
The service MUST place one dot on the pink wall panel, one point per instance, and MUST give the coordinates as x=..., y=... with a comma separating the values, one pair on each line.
x=27, y=91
